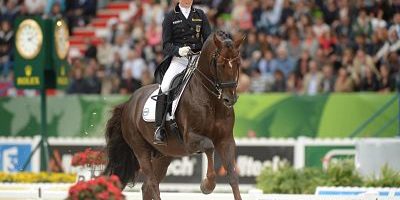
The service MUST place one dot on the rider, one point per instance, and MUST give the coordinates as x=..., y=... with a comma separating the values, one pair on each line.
x=184, y=29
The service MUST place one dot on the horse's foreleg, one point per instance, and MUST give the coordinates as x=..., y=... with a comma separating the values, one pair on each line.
x=208, y=184
x=160, y=167
x=227, y=152
x=198, y=143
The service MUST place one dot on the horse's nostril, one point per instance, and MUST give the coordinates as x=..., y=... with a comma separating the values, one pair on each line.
x=226, y=100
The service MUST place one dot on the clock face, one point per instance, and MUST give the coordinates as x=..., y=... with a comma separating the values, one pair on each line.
x=29, y=39
x=61, y=39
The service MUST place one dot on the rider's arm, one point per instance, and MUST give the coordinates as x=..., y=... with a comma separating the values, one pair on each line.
x=168, y=46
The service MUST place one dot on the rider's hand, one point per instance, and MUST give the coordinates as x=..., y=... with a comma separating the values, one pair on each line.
x=183, y=51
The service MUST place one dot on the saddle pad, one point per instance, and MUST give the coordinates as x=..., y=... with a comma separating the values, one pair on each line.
x=149, y=109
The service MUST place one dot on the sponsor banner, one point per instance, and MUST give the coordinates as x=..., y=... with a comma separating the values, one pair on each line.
x=64, y=149
x=268, y=115
x=185, y=170
x=181, y=170
x=14, y=153
x=252, y=158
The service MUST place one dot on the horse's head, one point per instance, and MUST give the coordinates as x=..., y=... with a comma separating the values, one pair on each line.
x=224, y=65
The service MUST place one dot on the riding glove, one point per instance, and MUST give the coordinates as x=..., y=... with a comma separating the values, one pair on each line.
x=183, y=51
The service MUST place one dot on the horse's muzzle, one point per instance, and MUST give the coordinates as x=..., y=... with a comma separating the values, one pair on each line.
x=229, y=101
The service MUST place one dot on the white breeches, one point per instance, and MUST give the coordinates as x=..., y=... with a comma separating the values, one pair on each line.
x=178, y=64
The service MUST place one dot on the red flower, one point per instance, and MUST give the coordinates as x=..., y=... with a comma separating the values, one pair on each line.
x=88, y=157
x=102, y=188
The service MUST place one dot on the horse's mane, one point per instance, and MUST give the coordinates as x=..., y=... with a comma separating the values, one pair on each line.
x=225, y=37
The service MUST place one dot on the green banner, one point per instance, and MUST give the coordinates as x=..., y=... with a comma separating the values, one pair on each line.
x=269, y=115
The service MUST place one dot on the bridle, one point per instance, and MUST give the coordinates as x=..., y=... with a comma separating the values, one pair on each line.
x=217, y=84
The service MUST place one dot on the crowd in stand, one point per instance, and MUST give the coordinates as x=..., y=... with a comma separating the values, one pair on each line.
x=297, y=46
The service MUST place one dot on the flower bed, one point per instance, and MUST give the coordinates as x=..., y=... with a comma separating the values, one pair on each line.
x=88, y=158
x=43, y=177
x=101, y=188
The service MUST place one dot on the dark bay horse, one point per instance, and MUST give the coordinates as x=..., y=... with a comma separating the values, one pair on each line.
x=205, y=118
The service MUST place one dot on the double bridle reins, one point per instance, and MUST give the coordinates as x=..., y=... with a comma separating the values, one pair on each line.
x=217, y=84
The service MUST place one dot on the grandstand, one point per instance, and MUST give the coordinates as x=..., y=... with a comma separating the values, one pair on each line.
x=301, y=47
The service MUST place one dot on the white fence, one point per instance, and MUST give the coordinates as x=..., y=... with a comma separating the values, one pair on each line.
x=59, y=195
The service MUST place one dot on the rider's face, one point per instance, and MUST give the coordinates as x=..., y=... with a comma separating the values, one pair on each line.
x=186, y=3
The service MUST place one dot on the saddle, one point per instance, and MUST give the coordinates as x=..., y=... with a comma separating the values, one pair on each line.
x=176, y=90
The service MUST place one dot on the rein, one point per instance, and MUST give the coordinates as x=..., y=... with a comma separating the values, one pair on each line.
x=218, y=85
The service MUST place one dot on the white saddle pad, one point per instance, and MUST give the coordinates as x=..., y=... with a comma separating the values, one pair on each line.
x=149, y=110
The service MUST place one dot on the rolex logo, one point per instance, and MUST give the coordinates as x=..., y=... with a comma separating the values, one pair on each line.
x=28, y=70
x=62, y=71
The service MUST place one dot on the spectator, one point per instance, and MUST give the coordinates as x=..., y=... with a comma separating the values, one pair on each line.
x=50, y=6
x=391, y=45
x=265, y=64
x=302, y=64
x=387, y=83
x=312, y=80
x=251, y=45
x=243, y=83
x=241, y=14
x=294, y=45
x=320, y=27
x=6, y=38
x=310, y=42
x=77, y=85
x=36, y=7
x=343, y=82
x=362, y=24
x=361, y=63
x=328, y=79
x=270, y=16
x=369, y=82
x=133, y=68
x=92, y=78
x=105, y=54
x=280, y=83
x=153, y=34
x=259, y=83
x=284, y=63
x=10, y=10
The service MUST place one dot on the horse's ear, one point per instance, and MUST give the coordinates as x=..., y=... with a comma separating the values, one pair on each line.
x=217, y=41
x=239, y=41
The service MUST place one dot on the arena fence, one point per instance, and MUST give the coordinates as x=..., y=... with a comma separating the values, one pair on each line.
x=58, y=195
x=47, y=191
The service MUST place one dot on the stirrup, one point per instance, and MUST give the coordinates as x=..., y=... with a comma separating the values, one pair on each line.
x=160, y=136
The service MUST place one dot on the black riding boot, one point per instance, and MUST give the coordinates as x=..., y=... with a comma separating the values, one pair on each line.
x=160, y=134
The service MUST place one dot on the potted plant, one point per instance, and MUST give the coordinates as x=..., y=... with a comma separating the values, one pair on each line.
x=90, y=163
x=100, y=188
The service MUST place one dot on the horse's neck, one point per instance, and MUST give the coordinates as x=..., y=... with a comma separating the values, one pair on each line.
x=203, y=92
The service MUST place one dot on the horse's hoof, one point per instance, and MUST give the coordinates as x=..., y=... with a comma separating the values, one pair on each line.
x=206, y=187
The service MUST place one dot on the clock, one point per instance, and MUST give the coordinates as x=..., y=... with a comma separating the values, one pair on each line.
x=61, y=38
x=29, y=39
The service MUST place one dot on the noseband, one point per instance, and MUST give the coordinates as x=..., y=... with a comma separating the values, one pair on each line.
x=219, y=85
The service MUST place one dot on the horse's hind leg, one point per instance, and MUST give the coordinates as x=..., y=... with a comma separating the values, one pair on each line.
x=144, y=158
x=227, y=151
x=160, y=166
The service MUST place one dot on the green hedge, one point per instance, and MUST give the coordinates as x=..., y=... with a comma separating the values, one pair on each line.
x=304, y=181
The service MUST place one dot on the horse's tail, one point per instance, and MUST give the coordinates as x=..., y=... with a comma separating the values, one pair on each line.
x=121, y=159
